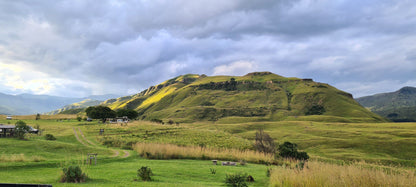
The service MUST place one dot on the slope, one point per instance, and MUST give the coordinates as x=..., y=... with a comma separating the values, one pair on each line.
x=397, y=106
x=259, y=96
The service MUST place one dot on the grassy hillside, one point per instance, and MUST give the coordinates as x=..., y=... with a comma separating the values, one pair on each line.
x=75, y=107
x=260, y=96
x=396, y=106
x=387, y=149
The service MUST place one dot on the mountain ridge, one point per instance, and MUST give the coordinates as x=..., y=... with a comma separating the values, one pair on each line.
x=25, y=104
x=258, y=96
x=398, y=106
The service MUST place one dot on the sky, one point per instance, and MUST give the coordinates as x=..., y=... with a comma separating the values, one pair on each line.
x=76, y=48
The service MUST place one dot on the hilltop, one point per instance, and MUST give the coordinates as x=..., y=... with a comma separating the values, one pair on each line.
x=397, y=106
x=258, y=96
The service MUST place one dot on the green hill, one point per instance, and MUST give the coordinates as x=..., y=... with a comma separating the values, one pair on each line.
x=259, y=96
x=397, y=106
x=75, y=108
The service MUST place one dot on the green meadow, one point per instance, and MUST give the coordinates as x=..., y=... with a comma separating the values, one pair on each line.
x=389, y=146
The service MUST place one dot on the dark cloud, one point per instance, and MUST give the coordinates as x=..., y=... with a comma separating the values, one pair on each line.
x=110, y=46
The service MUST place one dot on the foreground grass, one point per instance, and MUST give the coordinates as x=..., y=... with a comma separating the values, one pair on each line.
x=123, y=172
x=317, y=174
x=37, y=160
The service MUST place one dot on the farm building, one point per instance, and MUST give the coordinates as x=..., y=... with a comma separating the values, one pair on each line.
x=6, y=130
x=123, y=119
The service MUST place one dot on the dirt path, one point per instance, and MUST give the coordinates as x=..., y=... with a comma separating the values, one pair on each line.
x=79, y=139
x=84, y=141
x=84, y=138
x=116, y=153
x=126, y=154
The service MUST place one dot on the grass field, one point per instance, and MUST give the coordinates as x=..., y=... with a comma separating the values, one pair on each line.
x=390, y=147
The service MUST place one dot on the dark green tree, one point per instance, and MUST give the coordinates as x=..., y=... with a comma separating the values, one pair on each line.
x=100, y=112
x=21, y=129
x=37, y=116
x=315, y=110
x=290, y=150
x=131, y=114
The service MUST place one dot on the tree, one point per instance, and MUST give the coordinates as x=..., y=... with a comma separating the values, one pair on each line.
x=37, y=117
x=131, y=114
x=290, y=150
x=315, y=110
x=21, y=129
x=100, y=112
x=264, y=143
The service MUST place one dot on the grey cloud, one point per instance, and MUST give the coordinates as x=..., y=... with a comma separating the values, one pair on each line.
x=103, y=46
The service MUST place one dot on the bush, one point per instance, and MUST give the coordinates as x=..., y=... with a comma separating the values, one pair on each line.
x=50, y=137
x=264, y=143
x=290, y=150
x=316, y=110
x=21, y=129
x=156, y=120
x=145, y=173
x=73, y=174
x=171, y=122
x=236, y=180
x=131, y=114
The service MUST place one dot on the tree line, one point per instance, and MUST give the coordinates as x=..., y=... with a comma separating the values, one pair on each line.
x=104, y=112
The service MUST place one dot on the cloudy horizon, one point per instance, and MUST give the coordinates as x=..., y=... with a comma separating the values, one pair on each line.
x=85, y=47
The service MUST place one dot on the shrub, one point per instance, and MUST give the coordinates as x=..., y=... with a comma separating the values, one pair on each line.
x=264, y=143
x=171, y=122
x=73, y=174
x=156, y=120
x=316, y=110
x=145, y=173
x=268, y=172
x=21, y=129
x=236, y=180
x=79, y=118
x=213, y=171
x=50, y=137
x=290, y=150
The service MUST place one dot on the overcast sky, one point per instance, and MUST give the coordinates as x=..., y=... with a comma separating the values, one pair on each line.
x=77, y=48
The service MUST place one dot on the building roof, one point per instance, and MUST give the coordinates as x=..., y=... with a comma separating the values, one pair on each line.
x=7, y=126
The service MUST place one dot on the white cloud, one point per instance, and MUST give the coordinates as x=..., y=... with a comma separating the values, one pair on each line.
x=236, y=68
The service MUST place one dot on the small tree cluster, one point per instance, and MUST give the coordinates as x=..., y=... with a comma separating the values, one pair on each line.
x=21, y=129
x=316, y=110
x=290, y=150
x=131, y=114
x=100, y=112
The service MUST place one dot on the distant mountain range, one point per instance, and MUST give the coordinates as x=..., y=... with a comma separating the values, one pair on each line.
x=397, y=106
x=25, y=104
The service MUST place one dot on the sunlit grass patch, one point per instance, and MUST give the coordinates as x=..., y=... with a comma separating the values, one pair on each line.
x=169, y=151
x=325, y=174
